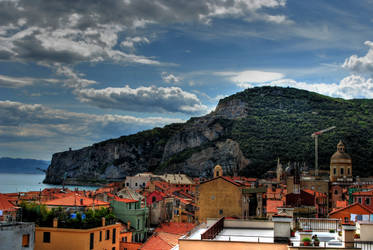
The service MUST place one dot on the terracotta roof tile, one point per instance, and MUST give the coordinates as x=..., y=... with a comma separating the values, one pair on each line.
x=352, y=205
x=75, y=200
x=272, y=205
x=5, y=205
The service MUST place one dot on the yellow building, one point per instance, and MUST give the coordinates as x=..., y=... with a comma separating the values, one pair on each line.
x=340, y=165
x=55, y=238
x=219, y=197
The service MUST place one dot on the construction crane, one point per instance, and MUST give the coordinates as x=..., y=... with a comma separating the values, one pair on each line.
x=316, y=136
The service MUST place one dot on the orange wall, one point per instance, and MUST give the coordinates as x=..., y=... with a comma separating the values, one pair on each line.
x=224, y=245
x=79, y=239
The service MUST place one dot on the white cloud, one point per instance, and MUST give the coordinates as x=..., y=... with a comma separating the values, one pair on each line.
x=362, y=64
x=130, y=42
x=350, y=87
x=170, y=78
x=143, y=99
x=245, y=78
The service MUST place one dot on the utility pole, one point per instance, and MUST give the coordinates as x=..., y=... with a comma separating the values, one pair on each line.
x=316, y=136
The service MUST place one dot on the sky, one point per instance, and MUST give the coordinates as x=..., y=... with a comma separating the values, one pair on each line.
x=73, y=73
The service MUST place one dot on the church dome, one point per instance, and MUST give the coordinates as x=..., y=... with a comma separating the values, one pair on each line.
x=340, y=156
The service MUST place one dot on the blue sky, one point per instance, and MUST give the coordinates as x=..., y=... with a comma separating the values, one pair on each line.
x=77, y=72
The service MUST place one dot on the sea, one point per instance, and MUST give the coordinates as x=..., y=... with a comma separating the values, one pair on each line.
x=14, y=183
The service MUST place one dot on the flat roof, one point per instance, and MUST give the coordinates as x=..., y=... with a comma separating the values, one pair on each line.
x=236, y=234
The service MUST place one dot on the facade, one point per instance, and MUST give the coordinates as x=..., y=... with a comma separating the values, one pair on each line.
x=55, y=238
x=17, y=235
x=219, y=197
x=354, y=212
x=364, y=198
x=132, y=211
x=138, y=181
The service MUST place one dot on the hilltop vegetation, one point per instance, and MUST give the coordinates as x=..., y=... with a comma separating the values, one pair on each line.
x=246, y=133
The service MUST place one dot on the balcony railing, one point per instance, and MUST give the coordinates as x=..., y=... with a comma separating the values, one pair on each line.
x=214, y=230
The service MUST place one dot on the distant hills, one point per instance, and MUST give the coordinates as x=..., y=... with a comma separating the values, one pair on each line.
x=245, y=134
x=22, y=166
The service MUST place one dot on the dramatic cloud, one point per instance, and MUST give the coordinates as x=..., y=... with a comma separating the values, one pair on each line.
x=34, y=123
x=69, y=32
x=143, y=99
x=170, y=78
x=362, y=64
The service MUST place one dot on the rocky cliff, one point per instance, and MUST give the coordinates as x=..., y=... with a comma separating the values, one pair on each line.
x=245, y=134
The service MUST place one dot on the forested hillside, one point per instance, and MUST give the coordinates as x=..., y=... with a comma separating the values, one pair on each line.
x=246, y=133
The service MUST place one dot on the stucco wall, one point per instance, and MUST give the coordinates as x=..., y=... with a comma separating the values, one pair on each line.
x=11, y=236
x=63, y=238
x=216, y=195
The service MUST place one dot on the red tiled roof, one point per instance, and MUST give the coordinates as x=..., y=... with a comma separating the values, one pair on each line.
x=76, y=200
x=175, y=228
x=272, y=205
x=125, y=200
x=315, y=193
x=368, y=193
x=5, y=205
x=355, y=204
x=159, y=241
x=166, y=236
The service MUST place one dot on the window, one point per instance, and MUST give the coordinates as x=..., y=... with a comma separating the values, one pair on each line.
x=342, y=171
x=100, y=235
x=336, y=191
x=367, y=201
x=127, y=184
x=136, y=184
x=114, y=235
x=334, y=171
x=47, y=237
x=220, y=211
x=349, y=171
x=138, y=223
x=26, y=240
x=359, y=200
x=347, y=219
x=91, y=240
x=124, y=239
x=153, y=199
x=113, y=248
x=107, y=236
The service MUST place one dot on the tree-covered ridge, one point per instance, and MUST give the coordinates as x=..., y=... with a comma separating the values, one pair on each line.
x=249, y=130
x=280, y=122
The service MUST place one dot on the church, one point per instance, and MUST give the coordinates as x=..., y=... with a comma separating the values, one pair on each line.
x=340, y=175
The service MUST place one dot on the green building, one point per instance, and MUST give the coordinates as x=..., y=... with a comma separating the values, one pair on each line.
x=131, y=211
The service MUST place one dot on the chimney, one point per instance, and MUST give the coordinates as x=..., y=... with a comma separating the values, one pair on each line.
x=81, y=202
x=55, y=222
x=128, y=225
x=103, y=221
